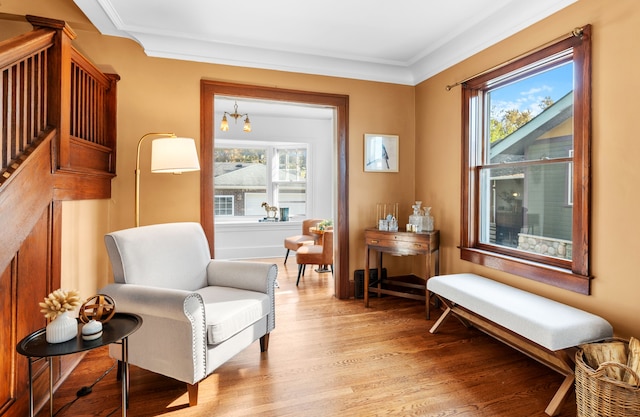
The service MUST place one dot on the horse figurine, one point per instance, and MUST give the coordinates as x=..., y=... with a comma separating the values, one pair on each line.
x=272, y=211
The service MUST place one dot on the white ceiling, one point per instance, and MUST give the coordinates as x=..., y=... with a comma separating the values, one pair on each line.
x=400, y=41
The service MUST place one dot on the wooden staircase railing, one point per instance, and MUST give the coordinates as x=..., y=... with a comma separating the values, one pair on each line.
x=57, y=142
x=23, y=96
x=92, y=119
x=47, y=84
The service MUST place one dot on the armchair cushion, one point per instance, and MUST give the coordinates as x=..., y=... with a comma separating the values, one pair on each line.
x=230, y=310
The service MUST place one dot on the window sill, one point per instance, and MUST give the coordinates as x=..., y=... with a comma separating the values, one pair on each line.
x=253, y=221
x=256, y=225
x=558, y=277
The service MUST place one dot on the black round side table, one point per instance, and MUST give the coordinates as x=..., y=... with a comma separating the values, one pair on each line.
x=117, y=330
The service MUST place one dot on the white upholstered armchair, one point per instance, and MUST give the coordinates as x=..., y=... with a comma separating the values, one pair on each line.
x=197, y=312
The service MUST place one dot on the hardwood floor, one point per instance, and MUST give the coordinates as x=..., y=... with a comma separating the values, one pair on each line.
x=330, y=357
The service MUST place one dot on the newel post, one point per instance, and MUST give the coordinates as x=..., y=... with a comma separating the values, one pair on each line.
x=59, y=86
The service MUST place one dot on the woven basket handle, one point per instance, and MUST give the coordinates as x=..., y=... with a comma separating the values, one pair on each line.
x=611, y=364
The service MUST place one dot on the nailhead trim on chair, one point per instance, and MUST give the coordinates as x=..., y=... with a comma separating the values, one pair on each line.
x=194, y=332
x=271, y=320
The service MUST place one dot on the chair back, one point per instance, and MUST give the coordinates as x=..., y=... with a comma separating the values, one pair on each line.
x=308, y=223
x=171, y=255
x=327, y=248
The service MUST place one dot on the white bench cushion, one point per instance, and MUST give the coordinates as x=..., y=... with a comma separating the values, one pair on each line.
x=231, y=310
x=546, y=322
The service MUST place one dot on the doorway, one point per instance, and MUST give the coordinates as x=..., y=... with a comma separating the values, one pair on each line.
x=209, y=90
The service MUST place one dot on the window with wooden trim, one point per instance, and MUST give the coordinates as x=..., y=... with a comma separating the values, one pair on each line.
x=526, y=165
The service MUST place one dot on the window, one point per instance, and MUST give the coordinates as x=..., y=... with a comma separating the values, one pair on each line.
x=223, y=205
x=525, y=200
x=248, y=174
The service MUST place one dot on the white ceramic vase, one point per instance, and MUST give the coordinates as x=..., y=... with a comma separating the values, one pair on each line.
x=62, y=328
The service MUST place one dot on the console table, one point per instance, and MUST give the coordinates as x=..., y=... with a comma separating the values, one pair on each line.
x=116, y=330
x=401, y=243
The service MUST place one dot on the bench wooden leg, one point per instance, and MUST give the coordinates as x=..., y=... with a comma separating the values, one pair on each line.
x=553, y=409
x=440, y=320
x=450, y=308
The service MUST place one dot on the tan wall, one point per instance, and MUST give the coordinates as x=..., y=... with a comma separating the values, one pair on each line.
x=85, y=264
x=163, y=95
x=615, y=173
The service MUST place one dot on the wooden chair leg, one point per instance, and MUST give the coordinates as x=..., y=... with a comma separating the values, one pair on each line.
x=264, y=343
x=286, y=256
x=192, y=389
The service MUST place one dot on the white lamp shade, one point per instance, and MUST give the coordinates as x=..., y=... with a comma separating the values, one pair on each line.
x=174, y=155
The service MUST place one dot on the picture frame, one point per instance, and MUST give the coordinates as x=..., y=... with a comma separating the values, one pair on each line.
x=381, y=153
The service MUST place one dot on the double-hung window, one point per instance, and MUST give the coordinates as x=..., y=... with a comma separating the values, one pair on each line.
x=526, y=153
x=248, y=174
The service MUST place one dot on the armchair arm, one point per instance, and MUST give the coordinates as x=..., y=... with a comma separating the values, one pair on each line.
x=161, y=302
x=252, y=276
x=172, y=338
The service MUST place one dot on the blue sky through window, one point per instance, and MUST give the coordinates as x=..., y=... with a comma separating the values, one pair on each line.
x=528, y=93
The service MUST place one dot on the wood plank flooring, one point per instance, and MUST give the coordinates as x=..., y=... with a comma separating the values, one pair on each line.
x=330, y=357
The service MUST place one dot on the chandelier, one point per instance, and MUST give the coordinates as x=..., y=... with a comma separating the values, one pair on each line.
x=224, y=125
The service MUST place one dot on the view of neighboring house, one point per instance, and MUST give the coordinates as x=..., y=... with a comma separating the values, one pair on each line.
x=533, y=201
x=241, y=188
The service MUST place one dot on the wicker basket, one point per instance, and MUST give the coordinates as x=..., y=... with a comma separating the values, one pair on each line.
x=597, y=395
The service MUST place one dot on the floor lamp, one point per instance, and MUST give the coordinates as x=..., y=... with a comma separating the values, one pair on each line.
x=169, y=154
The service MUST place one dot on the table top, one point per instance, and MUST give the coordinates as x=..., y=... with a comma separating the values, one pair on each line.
x=401, y=231
x=120, y=326
x=317, y=231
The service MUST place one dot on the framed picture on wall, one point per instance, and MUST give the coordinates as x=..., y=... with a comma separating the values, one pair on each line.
x=380, y=153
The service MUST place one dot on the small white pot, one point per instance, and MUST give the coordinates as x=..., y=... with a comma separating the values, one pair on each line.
x=62, y=328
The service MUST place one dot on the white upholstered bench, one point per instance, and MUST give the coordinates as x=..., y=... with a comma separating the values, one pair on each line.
x=543, y=329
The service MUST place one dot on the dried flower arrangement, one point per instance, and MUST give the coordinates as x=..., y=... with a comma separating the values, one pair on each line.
x=59, y=302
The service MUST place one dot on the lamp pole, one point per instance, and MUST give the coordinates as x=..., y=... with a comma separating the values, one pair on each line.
x=167, y=135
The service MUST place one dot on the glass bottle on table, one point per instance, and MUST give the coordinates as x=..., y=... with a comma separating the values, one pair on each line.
x=427, y=220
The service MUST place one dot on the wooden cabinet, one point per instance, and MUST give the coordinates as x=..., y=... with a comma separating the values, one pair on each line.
x=401, y=243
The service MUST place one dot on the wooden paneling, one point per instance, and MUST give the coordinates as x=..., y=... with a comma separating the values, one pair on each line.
x=70, y=186
x=7, y=338
x=33, y=283
x=23, y=284
x=23, y=197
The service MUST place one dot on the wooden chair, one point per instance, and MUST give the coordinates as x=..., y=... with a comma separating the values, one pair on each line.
x=293, y=243
x=315, y=254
